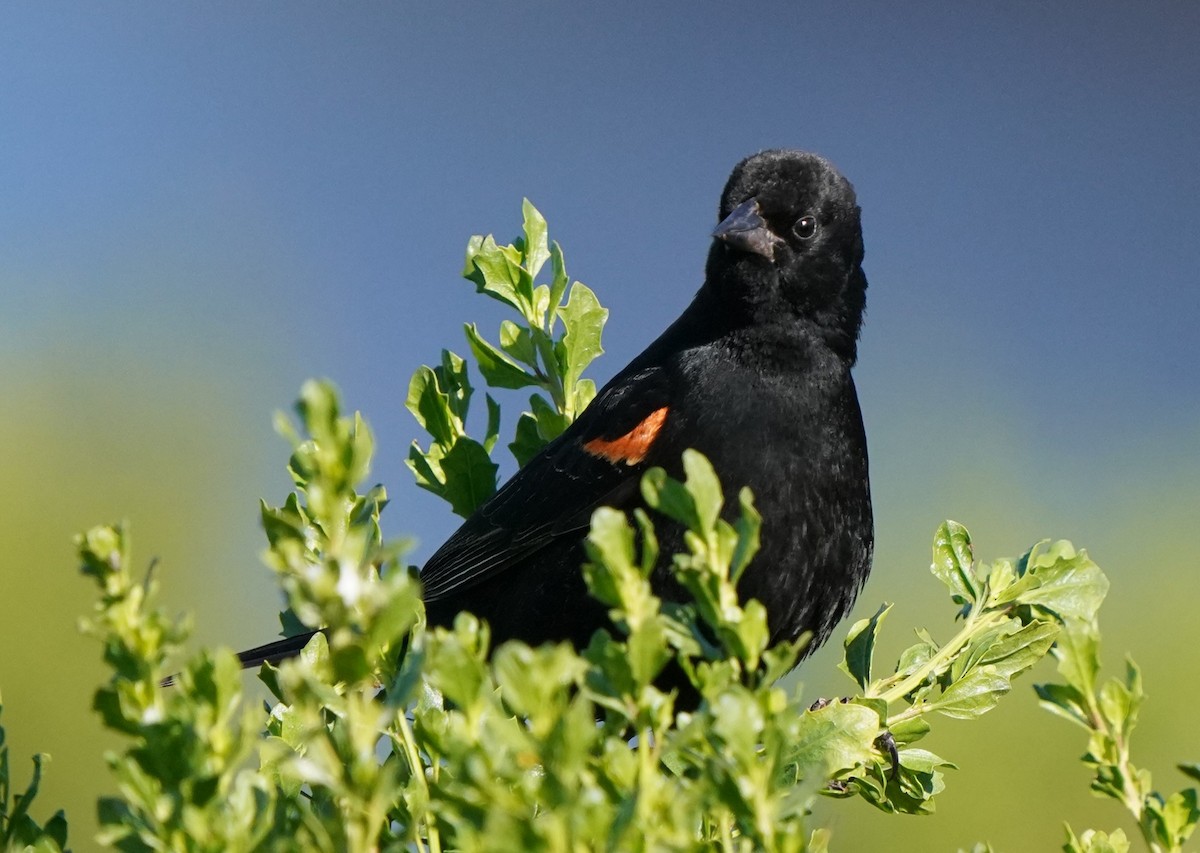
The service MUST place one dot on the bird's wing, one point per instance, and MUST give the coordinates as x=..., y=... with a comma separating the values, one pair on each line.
x=598, y=461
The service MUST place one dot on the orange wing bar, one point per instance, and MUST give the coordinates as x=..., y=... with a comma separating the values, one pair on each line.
x=632, y=447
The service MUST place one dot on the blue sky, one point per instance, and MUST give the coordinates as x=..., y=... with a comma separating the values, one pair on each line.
x=204, y=204
x=1028, y=177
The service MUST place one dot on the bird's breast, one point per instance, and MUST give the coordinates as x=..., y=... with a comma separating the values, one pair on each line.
x=792, y=432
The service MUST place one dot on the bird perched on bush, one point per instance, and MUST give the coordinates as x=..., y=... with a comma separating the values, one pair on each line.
x=755, y=374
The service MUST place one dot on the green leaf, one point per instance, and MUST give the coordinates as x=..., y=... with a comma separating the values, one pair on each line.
x=953, y=562
x=915, y=657
x=1093, y=841
x=1120, y=702
x=537, y=251
x=1065, y=701
x=704, y=487
x=747, y=528
x=670, y=497
x=649, y=541
x=1020, y=651
x=922, y=760
x=584, y=320
x=457, y=667
x=837, y=737
x=1078, y=655
x=20, y=827
x=533, y=681
x=550, y=422
x=648, y=651
x=1069, y=585
x=1013, y=653
x=496, y=272
x=558, y=281
x=1001, y=576
x=430, y=405
x=584, y=393
x=1191, y=770
x=1177, y=817
x=974, y=694
x=425, y=467
x=493, y=423
x=906, y=789
x=394, y=619
x=499, y=371
x=752, y=632
x=517, y=343
x=860, y=647
x=528, y=440
x=470, y=476
x=610, y=546
x=541, y=305
x=55, y=830
x=909, y=731
x=818, y=842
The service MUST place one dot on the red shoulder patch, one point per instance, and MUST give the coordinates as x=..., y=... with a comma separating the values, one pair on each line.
x=632, y=447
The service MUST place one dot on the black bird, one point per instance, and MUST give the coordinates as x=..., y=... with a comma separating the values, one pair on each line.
x=756, y=375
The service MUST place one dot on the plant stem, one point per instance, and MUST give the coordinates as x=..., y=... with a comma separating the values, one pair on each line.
x=973, y=624
x=417, y=768
x=1131, y=797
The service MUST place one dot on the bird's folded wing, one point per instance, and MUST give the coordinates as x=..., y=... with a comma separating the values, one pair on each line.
x=597, y=462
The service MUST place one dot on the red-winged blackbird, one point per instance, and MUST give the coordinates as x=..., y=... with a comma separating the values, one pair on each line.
x=755, y=374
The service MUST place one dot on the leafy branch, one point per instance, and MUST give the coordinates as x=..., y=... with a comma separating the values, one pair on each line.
x=1012, y=612
x=534, y=352
x=18, y=830
x=1109, y=712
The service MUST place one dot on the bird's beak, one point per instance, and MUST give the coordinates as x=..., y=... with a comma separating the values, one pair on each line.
x=744, y=228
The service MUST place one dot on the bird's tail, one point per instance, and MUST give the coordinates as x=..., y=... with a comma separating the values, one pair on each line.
x=276, y=651
x=269, y=653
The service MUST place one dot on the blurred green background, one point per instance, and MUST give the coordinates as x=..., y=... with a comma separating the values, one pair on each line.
x=203, y=205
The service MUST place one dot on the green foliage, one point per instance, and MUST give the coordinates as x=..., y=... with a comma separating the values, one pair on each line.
x=182, y=781
x=1093, y=841
x=1012, y=612
x=19, y=831
x=526, y=748
x=539, y=748
x=533, y=352
x=1108, y=711
x=383, y=735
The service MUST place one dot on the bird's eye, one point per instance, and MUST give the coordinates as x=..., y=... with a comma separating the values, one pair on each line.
x=805, y=227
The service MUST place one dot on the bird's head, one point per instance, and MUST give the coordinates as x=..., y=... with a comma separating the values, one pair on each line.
x=789, y=245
